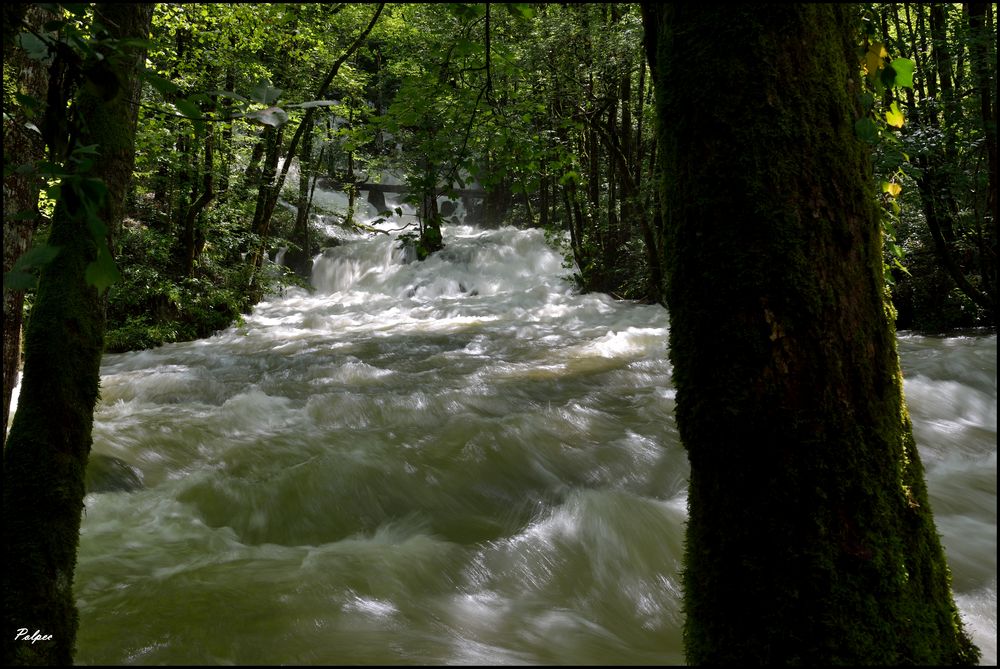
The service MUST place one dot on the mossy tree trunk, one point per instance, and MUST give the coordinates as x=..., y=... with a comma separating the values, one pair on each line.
x=49, y=442
x=810, y=539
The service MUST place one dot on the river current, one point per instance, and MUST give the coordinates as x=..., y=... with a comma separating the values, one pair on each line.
x=460, y=461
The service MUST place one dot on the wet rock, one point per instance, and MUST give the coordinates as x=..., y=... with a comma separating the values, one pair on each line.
x=106, y=473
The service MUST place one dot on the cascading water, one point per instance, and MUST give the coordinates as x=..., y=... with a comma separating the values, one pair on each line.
x=459, y=461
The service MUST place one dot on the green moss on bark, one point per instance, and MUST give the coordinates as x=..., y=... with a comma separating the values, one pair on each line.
x=810, y=539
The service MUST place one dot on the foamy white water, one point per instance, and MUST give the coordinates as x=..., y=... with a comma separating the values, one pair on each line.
x=460, y=461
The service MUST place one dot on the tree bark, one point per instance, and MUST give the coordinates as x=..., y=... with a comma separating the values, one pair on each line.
x=298, y=259
x=193, y=238
x=984, y=74
x=810, y=539
x=20, y=191
x=49, y=442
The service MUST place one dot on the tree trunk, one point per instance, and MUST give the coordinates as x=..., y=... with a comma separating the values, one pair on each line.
x=20, y=195
x=298, y=259
x=46, y=452
x=984, y=74
x=193, y=238
x=810, y=539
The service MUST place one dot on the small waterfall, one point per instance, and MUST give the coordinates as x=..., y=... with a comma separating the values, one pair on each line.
x=454, y=461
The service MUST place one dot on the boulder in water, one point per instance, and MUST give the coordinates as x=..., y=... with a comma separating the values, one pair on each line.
x=106, y=473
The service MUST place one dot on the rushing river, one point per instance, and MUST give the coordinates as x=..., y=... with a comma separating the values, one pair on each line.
x=461, y=461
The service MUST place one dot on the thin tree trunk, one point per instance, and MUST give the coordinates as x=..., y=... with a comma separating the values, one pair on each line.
x=20, y=193
x=191, y=246
x=298, y=259
x=984, y=74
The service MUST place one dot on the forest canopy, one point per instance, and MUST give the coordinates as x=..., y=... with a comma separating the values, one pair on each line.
x=545, y=108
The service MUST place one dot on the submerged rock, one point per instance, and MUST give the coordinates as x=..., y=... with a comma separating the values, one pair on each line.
x=106, y=473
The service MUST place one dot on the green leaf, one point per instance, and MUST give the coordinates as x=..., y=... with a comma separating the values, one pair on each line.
x=102, y=272
x=866, y=130
x=164, y=86
x=465, y=47
x=14, y=280
x=37, y=256
x=314, y=103
x=522, y=9
x=188, y=109
x=89, y=149
x=26, y=215
x=265, y=93
x=22, y=276
x=34, y=47
x=28, y=101
x=887, y=77
x=228, y=94
x=466, y=12
x=91, y=190
x=867, y=101
x=904, y=72
x=137, y=42
x=571, y=177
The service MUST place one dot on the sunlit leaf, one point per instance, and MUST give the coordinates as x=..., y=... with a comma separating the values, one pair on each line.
x=892, y=189
x=894, y=117
x=904, y=72
x=873, y=58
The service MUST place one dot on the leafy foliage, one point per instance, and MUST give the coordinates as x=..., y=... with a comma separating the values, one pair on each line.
x=546, y=107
